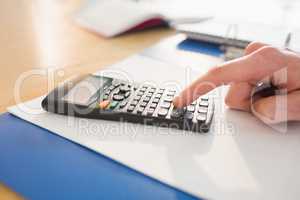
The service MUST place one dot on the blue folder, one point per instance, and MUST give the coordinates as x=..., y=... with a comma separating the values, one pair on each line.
x=40, y=165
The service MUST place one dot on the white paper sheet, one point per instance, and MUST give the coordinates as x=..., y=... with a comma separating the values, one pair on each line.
x=241, y=158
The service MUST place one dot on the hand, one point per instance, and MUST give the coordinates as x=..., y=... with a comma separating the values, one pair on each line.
x=260, y=63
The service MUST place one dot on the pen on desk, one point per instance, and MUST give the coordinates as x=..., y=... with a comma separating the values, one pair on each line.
x=287, y=40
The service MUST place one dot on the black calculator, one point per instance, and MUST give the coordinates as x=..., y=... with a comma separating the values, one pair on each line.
x=100, y=97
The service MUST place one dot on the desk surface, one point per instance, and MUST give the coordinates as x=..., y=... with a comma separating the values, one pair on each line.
x=41, y=35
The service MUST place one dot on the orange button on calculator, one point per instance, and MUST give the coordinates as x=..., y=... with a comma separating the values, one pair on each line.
x=104, y=104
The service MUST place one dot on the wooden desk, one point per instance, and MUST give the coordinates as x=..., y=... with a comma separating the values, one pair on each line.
x=40, y=34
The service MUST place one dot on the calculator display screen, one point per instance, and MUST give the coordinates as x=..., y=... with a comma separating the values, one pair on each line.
x=87, y=91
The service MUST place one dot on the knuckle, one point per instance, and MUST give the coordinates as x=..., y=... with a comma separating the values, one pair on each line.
x=213, y=71
x=252, y=46
x=268, y=51
x=270, y=56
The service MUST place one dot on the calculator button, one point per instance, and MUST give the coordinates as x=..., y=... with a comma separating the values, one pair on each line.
x=202, y=109
x=156, y=100
x=124, y=88
x=140, y=93
x=171, y=92
x=158, y=95
x=144, y=88
x=153, y=105
x=105, y=97
x=162, y=112
x=161, y=91
x=165, y=105
x=191, y=108
x=152, y=90
x=113, y=105
x=127, y=94
x=117, y=91
x=111, y=87
x=204, y=103
x=104, y=104
x=118, y=97
x=116, y=84
x=149, y=95
x=146, y=99
x=134, y=103
x=140, y=110
x=130, y=108
x=204, y=98
x=201, y=117
x=177, y=113
x=143, y=104
x=150, y=112
x=189, y=115
x=168, y=99
x=123, y=104
x=137, y=98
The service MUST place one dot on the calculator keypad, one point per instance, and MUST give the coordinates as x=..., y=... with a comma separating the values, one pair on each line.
x=154, y=102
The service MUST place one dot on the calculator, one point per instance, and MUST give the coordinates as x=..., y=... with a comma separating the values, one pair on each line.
x=101, y=97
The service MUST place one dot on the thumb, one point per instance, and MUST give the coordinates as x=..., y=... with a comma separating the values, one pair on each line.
x=278, y=108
